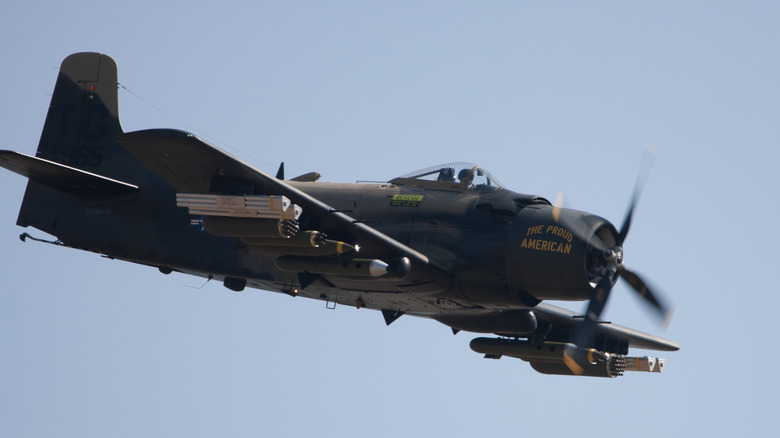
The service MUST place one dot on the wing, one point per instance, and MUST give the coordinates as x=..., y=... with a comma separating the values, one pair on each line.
x=563, y=320
x=191, y=165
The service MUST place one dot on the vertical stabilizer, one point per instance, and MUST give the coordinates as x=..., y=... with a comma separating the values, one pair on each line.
x=79, y=131
x=84, y=113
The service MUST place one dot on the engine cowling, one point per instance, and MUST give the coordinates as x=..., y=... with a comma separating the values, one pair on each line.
x=547, y=259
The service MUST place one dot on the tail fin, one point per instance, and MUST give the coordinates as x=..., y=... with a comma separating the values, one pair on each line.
x=93, y=194
x=90, y=192
x=79, y=131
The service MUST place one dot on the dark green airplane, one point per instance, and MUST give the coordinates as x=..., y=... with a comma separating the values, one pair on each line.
x=447, y=243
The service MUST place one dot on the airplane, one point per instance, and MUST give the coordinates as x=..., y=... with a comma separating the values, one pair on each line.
x=448, y=243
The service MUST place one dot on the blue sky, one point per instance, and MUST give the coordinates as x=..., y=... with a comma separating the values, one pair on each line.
x=550, y=98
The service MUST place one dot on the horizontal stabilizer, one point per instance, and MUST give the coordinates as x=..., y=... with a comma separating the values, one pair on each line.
x=63, y=178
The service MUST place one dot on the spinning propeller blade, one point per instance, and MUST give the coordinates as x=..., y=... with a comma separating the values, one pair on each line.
x=612, y=259
x=640, y=286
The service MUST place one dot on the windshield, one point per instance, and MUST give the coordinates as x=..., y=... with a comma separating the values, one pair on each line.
x=465, y=175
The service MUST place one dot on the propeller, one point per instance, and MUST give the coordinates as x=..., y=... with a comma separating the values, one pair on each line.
x=607, y=263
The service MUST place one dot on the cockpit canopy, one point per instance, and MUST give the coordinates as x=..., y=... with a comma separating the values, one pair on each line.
x=451, y=176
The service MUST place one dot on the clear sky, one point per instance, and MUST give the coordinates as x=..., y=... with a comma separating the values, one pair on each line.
x=550, y=98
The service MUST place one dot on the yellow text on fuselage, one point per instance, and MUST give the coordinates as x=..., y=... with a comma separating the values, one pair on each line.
x=546, y=245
